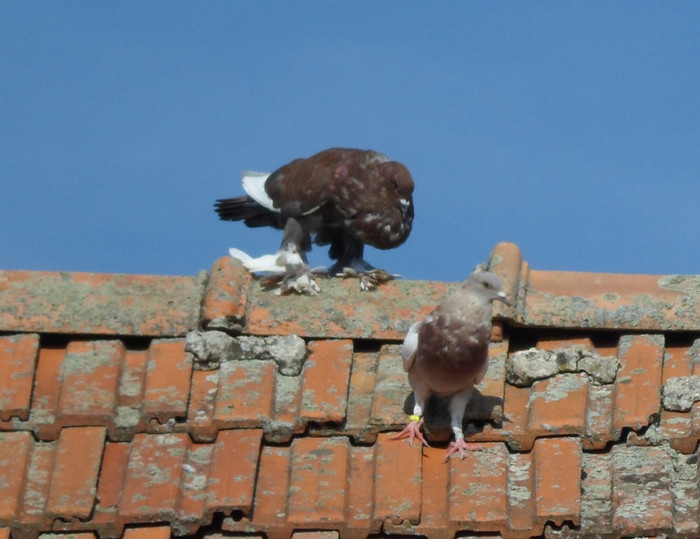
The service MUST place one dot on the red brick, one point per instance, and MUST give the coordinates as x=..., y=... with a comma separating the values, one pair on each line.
x=682, y=429
x=521, y=490
x=90, y=379
x=4, y=533
x=36, y=488
x=200, y=412
x=386, y=313
x=287, y=420
x=47, y=387
x=76, y=467
x=233, y=471
x=678, y=361
x=318, y=481
x=133, y=379
x=602, y=300
x=86, y=303
x=128, y=420
x=151, y=532
x=557, y=463
x=435, y=498
x=599, y=417
x=390, y=391
x=477, y=489
x=361, y=395
x=153, y=478
x=677, y=427
x=109, y=489
x=326, y=376
x=596, y=488
x=246, y=393
x=272, y=488
x=168, y=373
x=515, y=412
x=191, y=503
x=226, y=294
x=18, y=355
x=558, y=405
x=638, y=383
x=316, y=535
x=397, y=493
x=15, y=451
x=506, y=261
x=360, y=497
x=642, y=501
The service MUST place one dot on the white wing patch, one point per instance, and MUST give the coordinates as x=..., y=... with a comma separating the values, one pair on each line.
x=410, y=346
x=266, y=263
x=254, y=185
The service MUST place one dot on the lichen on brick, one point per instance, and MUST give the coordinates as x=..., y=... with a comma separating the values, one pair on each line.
x=681, y=392
x=211, y=348
x=525, y=367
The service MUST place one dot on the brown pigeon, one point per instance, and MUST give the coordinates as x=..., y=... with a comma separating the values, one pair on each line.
x=346, y=198
x=447, y=353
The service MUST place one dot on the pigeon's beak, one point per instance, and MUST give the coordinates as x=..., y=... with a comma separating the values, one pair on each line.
x=502, y=297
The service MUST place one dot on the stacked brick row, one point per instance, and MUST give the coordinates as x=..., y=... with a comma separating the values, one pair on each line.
x=111, y=423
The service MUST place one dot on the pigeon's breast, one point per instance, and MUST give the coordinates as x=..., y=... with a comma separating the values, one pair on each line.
x=451, y=352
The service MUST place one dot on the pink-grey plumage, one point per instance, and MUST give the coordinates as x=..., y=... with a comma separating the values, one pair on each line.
x=447, y=352
x=346, y=198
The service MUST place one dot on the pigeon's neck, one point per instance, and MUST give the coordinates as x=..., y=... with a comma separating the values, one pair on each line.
x=470, y=306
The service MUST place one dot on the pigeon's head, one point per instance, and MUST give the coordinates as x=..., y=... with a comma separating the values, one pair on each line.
x=397, y=179
x=487, y=285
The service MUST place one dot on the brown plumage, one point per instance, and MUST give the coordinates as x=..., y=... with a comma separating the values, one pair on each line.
x=346, y=198
x=447, y=353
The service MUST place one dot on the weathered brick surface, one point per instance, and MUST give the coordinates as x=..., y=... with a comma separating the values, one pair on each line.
x=107, y=429
x=18, y=354
x=99, y=304
x=15, y=451
x=75, y=473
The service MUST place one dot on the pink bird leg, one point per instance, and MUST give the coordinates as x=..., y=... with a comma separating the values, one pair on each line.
x=461, y=446
x=412, y=430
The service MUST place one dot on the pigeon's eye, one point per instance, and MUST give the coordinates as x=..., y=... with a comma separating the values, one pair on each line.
x=396, y=184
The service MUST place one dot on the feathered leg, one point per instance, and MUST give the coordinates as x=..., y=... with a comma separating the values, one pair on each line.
x=349, y=254
x=458, y=405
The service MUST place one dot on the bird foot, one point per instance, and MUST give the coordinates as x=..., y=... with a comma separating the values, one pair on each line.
x=412, y=431
x=369, y=279
x=460, y=446
x=301, y=282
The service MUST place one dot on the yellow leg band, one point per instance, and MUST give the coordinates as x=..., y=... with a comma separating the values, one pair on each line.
x=415, y=418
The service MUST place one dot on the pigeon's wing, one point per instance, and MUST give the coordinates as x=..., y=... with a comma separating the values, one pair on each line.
x=304, y=185
x=410, y=346
x=254, y=185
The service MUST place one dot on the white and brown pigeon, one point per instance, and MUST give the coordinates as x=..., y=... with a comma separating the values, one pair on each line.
x=447, y=353
x=346, y=198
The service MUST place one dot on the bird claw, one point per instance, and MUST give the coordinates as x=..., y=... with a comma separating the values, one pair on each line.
x=460, y=446
x=301, y=283
x=412, y=430
x=369, y=279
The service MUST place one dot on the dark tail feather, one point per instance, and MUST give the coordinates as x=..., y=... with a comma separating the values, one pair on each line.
x=247, y=210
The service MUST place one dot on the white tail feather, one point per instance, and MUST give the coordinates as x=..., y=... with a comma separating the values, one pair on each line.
x=254, y=185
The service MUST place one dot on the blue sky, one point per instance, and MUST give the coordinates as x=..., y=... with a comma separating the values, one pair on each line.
x=569, y=128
